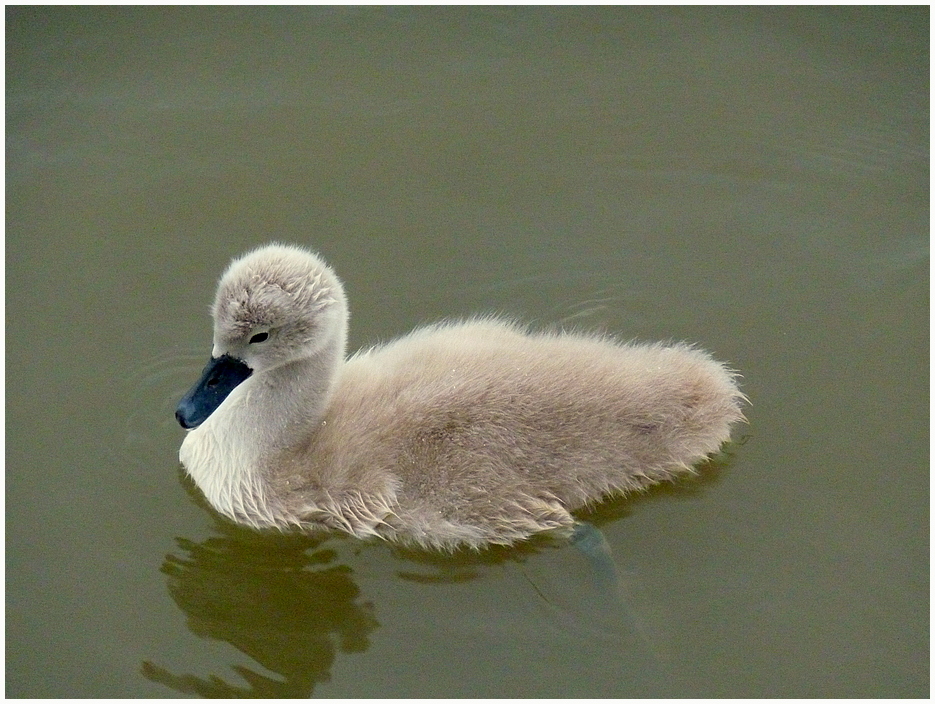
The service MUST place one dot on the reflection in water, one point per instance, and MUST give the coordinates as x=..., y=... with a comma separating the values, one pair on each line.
x=464, y=564
x=275, y=599
x=278, y=598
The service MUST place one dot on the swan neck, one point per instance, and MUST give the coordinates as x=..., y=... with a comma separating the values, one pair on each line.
x=295, y=395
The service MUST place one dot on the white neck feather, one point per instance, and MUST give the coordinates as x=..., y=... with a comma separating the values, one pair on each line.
x=271, y=411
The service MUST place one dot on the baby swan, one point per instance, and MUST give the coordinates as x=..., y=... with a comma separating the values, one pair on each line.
x=458, y=434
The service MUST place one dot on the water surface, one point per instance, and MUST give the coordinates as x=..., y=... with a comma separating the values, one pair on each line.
x=752, y=180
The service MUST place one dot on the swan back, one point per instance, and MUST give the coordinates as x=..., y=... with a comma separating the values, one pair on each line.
x=483, y=432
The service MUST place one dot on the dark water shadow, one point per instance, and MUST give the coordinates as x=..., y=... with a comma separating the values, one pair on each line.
x=283, y=601
x=464, y=564
x=278, y=598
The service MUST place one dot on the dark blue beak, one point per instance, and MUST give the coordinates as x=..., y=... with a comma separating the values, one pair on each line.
x=219, y=378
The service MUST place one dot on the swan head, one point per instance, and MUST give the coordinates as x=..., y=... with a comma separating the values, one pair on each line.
x=275, y=305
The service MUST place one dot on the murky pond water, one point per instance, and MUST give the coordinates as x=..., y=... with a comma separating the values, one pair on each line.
x=753, y=180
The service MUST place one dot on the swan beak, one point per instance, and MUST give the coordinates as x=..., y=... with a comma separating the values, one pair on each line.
x=219, y=378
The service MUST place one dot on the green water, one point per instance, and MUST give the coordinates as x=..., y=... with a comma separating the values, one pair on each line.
x=752, y=180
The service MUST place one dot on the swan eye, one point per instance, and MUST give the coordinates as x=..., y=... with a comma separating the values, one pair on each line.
x=259, y=337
